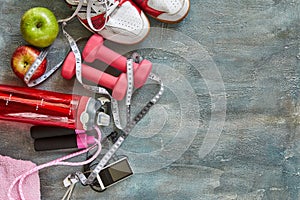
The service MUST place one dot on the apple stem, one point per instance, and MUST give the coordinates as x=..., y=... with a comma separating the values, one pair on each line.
x=39, y=25
x=25, y=64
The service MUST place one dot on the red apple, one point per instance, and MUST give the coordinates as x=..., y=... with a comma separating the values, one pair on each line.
x=23, y=58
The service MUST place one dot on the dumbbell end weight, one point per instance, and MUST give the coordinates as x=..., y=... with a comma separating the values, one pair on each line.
x=68, y=67
x=91, y=48
x=141, y=73
x=120, y=88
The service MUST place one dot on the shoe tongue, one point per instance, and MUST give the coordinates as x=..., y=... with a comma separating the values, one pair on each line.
x=167, y=6
x=126, y=19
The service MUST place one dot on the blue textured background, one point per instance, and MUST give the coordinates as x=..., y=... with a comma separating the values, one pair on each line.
x=255, y=46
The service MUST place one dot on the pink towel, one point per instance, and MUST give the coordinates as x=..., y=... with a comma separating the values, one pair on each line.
x=9, y=170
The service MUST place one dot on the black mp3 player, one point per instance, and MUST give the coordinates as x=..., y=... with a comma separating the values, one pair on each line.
x=114, y=173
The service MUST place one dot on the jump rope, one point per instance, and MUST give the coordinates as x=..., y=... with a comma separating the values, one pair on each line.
x=130, y=123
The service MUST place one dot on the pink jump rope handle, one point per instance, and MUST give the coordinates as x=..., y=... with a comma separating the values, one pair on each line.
x=95, y=49
x=118, y=85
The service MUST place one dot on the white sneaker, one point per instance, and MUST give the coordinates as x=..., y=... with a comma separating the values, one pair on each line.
x=168, y=11
x=120, y=21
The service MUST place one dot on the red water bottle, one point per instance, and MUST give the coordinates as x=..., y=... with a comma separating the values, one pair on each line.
x=41, y=107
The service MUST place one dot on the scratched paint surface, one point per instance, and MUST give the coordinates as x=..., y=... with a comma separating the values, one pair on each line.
x=244, y=52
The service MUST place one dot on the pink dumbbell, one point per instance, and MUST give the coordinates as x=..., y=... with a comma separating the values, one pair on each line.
x=118, y=85
x=94, y=49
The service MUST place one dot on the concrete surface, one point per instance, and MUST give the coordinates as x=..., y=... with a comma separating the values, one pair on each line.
x=227, y=126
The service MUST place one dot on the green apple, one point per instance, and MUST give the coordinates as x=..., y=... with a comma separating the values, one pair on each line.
x=39, y=27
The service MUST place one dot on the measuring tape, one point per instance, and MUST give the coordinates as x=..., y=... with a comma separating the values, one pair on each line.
x=118, y=143
x=43, y=54
x=36, y=64
x=130, y=124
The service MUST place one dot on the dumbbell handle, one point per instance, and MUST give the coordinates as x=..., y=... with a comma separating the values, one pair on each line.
x=118, y=85
x=97, y=76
